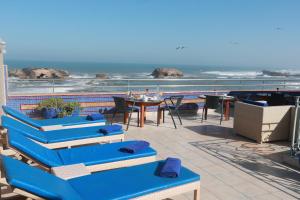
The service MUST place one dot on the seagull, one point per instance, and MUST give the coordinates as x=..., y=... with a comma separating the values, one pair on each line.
x=278, y=28
x=180, y=47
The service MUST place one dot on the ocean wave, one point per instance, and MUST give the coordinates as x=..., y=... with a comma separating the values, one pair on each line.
x=233, y=73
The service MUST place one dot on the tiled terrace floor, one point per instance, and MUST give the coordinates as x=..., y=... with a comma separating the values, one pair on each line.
x=231, y=167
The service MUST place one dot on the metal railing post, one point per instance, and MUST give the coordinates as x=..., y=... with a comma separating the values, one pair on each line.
x=294, y=128
x=53, y=86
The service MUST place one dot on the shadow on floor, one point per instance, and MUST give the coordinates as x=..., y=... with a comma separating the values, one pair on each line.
x=249, y=157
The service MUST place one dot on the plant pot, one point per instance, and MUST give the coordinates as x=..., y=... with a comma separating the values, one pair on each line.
x=49, y=113
x=76, y=111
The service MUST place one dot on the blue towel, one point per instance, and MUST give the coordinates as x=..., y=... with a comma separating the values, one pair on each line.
x=135, y=147
x=110, y=129
x=95, y=116
x=171, y=168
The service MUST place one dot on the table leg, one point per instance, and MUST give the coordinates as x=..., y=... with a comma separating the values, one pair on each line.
x=126, y=114
x=158, y=115
x=142, y=115
x=227, y=110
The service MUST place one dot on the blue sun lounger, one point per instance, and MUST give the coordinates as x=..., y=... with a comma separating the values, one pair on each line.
x=95, y=157
x=53, y=124
x=136, y=182
x=63, y=138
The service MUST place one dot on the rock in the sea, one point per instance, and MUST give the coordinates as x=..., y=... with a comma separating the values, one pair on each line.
x=274, y=73
x=38, y=73
x=166, y=72
x=102, y=76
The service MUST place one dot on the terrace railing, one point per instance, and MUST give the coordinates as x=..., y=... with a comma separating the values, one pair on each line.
x=92, y=85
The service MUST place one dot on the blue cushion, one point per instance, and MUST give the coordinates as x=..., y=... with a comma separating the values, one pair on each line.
x=76, y=134
x=20, y=116
x=129, y=182
x=66, y=121
x=37, y=152
x=28, y=131
x=89, y=155
x=255, y=102
x=55, y=135
x=98, y=154
x=121, y=184
x=36, y=181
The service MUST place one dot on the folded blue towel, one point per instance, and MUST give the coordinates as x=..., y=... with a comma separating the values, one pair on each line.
x=135, y=147
x=95, y=116
x=110, y=129
x=171, y=168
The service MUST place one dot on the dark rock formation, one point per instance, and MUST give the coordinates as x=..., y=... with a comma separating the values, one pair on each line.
x=38, y=73
x=274, y=73
x=166, y=72
x=102, y=76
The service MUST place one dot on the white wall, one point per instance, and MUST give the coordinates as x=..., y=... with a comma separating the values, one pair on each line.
x=3, y=74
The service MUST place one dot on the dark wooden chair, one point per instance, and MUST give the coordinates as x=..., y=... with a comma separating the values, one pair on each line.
x=212, y=102
x=121, y=107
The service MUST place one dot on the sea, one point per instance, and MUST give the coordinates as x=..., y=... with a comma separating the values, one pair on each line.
x=82, y=74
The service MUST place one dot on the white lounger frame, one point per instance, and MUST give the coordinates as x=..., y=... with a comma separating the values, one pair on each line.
x=163, y=194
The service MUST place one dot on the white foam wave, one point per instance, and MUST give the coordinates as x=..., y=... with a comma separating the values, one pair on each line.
x=234, y=73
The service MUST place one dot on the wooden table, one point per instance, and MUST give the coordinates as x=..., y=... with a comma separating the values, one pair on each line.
x=143, y=105
x=225, y=101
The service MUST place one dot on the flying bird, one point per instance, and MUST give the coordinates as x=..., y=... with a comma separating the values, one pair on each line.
x=278, y=28
x=180, y=47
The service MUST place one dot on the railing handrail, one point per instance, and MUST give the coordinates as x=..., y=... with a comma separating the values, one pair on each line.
x=160, y=79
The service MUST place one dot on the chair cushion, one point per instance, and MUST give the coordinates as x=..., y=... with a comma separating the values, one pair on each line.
x=36, y=151
x=10, y=123
x=129, y=182
x=98, y=154
x=171, y=107
x=256, y=103
x=36, y=181
x=76, y=134
x=135, y=109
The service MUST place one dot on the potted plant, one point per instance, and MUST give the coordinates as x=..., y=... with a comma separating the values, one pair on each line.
x=69, y=109
x=56, y=107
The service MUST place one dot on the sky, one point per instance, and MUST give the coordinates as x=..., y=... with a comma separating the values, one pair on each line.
x=213, y=32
